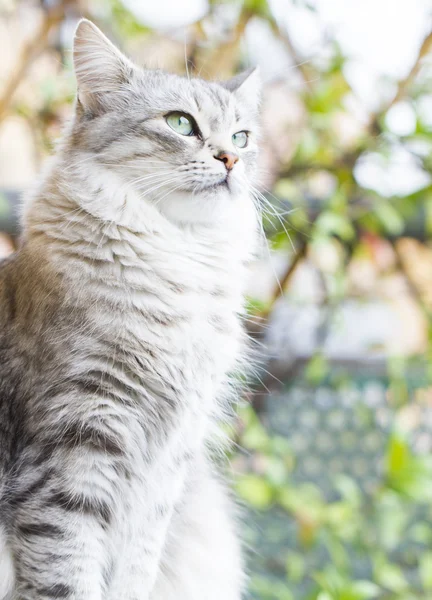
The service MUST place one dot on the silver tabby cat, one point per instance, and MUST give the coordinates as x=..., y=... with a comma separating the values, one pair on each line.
x=120, y=324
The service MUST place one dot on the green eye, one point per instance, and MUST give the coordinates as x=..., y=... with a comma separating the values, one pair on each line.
x=181, y=123
x=240, y=139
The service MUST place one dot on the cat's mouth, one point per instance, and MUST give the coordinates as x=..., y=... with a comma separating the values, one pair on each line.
x=223, y=183
x=220, y=185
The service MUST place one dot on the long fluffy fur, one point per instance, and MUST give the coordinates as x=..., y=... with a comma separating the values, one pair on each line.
x=120, y=324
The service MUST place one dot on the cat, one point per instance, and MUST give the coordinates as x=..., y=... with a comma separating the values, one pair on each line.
x=120, y=332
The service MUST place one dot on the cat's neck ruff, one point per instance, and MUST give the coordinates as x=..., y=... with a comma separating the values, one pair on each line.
x=96, y=232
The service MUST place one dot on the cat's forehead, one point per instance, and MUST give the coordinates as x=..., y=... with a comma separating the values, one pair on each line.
x=216, y=103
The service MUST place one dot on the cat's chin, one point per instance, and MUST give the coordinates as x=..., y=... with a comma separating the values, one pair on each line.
x=211, y=204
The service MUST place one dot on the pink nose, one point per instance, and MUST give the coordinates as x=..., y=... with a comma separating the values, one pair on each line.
x=228, y=158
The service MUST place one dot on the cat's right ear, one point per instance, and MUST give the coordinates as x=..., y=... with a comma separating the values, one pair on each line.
x=246, y=87
x=100, y=67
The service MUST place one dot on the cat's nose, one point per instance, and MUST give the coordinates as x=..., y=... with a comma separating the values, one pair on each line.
x=228, y=158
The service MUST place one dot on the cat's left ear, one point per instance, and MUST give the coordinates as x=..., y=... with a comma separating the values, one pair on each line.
x=100, y=67
x=246, y=87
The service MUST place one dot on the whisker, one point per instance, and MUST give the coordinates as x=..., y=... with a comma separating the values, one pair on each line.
x=275, y=214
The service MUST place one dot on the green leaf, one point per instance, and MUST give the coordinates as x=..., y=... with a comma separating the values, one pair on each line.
x=364, y=590
x=255, y=306
x=407, y=473
x=317, y=368
x=255, y=490
x=295, y=566
x=425, y=570
x=257, y=7
x=390, y=576
x=398, y=455
x=285, y=188
x=389, y=217
x=276, y=471
x=255, y=438
x=331, y=223
x=428, y=210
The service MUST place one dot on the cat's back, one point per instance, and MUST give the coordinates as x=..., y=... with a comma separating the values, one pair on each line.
x=8, y=271
x=9, y=346
x=22, y=345
x=9, y=360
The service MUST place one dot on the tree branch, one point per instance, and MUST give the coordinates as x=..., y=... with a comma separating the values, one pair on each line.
x=403, y=85
x=286, y=278
x=29, y=53
x=222, y=61
x=374, y=127
x=300, y=65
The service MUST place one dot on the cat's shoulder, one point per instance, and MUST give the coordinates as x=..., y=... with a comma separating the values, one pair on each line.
x=9, y=281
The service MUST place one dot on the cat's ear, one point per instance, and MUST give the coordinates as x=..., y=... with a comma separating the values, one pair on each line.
x=100, y=67
x=246, y=87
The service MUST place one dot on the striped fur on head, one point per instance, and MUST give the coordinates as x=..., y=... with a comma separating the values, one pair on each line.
x=120, y=126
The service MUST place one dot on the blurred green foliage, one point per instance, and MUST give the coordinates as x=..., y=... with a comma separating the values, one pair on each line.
x=357, y=530
x=388, y=530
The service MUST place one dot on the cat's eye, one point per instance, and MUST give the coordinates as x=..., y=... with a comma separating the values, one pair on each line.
x=181, y=123
x=240, y=139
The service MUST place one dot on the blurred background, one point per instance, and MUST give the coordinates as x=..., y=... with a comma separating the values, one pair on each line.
x=333, y=459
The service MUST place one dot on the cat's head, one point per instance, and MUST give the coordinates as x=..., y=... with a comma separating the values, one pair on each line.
x=186, y=145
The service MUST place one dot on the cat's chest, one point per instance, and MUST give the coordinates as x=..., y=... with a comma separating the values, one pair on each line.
x=201, y=337
x=174, y=322
x=185, y=347
x=169, y=368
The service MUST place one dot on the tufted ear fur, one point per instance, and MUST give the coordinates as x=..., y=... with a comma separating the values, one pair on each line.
x=100, y=67
x=247, y=87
